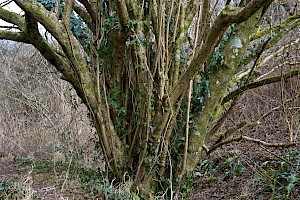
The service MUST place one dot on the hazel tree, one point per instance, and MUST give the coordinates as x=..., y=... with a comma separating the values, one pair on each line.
x=156, y=76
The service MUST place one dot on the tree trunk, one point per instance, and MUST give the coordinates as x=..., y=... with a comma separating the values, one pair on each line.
x=132, y=68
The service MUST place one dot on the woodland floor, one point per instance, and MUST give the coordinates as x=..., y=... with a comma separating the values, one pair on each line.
x=228, y=174
x=20, y=173
x=244, y=174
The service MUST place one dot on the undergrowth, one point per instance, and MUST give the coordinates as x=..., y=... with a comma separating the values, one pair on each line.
x=19, y=189
x=225, y=168
x=69, y=176
x=280, y=178
x=276, y=178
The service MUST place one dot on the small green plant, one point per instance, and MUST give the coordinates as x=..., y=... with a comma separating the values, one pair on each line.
x=232, y=167
x=227, y=167
x=280, y=177
x=186, y=185
x=7, y=190
x=13, y=190
x=22, y=161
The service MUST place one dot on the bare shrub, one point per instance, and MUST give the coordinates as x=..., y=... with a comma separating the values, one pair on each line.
x=40, y=113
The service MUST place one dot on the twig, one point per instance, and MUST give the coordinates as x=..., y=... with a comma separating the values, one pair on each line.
x=257, y=141
x=5, y=3
x=10, y=27
x=224, y=116
x=237, y=127
x=187, y=129
x=18, y=145
x=277, y=156
x=67, y=174
x=257, y=58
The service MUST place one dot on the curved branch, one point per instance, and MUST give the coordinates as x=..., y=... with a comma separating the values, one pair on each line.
x=85, y=16
x=275, y=54
x=53, y=57
x=46, y=18
x=43, y=47
x=67, y=13
x=262, y=82
x=71, y=47
x=12, y=18
x=90, y=11
x=246, y=138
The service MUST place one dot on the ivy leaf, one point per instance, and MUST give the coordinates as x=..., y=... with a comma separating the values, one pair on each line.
x=48, y=4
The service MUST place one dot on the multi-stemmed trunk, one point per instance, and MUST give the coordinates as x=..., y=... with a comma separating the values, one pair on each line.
x=136, y=68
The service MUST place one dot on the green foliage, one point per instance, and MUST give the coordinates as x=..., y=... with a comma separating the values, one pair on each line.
x=105, y=50
x=92, y=183
x=48, y=4
x=232, y=167
x=22, y=161
x=97, y=184
x=225, y=167
x=280, y=177
x=250, y=53
x=185, y=185
x=7, y=190
x=218, y=58
x=78, y=27
x=138, y=38
x=201, y=91
x=10, y=190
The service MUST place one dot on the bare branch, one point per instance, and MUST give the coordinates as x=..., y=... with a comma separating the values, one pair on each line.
x=82, y=12
x=263, y=143
x=236, y=128
x=71, y=47
x=5, y=3
x=277, y=156
x=46, y=18
x=67, y=13
x=14, y=36
x=262, y=82
x=123, y=13
x=10, y=27
x=288, y=24
x=12, y=18
x=246, y=138
x=275, y=54
x=186, y=130
x=90, y=11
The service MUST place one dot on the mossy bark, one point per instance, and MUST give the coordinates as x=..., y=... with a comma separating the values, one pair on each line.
x=221, y=79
